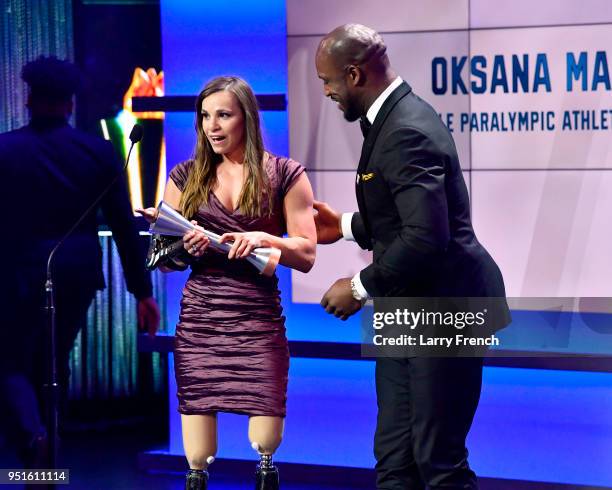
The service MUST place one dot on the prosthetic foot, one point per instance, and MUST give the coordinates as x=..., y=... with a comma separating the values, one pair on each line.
x=198, y=479
x=266, y=474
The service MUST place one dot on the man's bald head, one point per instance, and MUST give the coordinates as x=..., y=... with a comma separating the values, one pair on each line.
x=355, y=44
x=352, y=62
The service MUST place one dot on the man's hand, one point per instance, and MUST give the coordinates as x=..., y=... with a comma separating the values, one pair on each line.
x=328, y=223
x=339, y=301
x=149, y=214
x=148, y=315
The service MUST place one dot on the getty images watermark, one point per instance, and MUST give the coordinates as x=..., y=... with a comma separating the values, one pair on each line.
x=465, y=327
x=446, y=322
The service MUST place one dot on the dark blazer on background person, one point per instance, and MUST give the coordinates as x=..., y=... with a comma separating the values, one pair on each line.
x=51, y=173
x=414, y=209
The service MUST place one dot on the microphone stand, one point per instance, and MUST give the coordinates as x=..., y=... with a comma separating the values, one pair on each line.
x=52, y=387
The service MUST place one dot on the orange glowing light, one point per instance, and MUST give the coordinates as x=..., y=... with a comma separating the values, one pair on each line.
x=145, y=84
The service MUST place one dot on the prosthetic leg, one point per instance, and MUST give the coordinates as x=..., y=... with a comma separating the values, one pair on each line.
x=266, y=474
x=198, y=479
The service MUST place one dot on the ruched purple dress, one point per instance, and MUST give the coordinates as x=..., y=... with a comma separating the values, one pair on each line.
x=231, y=351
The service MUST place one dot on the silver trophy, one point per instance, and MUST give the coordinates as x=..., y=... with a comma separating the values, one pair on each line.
x=171, y=222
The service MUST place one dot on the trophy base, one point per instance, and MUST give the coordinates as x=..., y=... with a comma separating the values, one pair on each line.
x=273, y=259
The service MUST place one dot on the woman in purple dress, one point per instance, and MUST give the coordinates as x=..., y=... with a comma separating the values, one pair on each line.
x=231, y=351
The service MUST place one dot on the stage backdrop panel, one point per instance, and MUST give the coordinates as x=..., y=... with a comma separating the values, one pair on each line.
x=573, y=111
x=549, y=231
x=321, y=16
x=511, y=13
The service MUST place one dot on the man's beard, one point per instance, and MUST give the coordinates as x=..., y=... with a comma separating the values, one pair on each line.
x=351, y=111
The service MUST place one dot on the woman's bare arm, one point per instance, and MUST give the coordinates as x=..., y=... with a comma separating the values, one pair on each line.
x=299, y=247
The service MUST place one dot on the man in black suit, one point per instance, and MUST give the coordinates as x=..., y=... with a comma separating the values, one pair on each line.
x=414, y=214
x=51, y=173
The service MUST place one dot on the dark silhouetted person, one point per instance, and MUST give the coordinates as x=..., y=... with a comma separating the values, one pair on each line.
x=50, y=174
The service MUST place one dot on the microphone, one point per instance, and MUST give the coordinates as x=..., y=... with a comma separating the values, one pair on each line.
x=52, y=384
x=136, y=134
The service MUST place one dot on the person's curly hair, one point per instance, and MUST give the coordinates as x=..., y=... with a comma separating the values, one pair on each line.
x=51, y=78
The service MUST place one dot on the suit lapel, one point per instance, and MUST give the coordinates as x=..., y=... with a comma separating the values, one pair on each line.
x=368, y=145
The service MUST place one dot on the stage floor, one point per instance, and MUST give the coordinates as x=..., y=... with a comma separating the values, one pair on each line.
x=107, y=458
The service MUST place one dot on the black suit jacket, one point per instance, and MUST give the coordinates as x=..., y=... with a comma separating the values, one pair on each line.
x=414, y=209
x=51, y=173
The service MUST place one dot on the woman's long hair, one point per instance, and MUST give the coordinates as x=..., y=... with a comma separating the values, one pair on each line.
x=203, y=176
